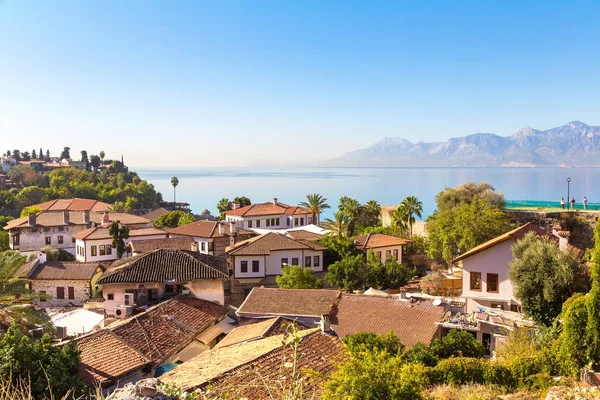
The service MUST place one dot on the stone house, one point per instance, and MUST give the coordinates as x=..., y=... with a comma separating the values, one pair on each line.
x=162, y=274
x=384, y=246
x=59, y=283
x=212, y=237
x=257, y=261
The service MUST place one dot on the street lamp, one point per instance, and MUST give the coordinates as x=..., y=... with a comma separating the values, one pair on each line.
x=568, y=192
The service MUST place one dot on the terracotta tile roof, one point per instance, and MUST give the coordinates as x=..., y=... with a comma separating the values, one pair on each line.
x=24, y=270
x=75, y=204
x=515, y=234
x=304, y=235
x=411, y=322
x=144, y=246
x=57, y=218
x=374, y=240
x=272, y=241
x=291, y=302
x=100, y=233
x=268, y=208
x=106, y=358
x=123, y=218
x=242, y=367
x=207, y=229
x=564, y=233
x=155, y=214
x=164, y=264
x=168, y=327
x=58, y=270
x=259, y=330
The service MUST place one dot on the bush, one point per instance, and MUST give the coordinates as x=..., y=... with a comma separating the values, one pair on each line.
x=459, y=371
x=498, y=374
x=369, y=342
x=457, y=344
x=420, y=354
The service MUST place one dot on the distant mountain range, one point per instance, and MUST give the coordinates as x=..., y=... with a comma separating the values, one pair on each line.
x=572, y=145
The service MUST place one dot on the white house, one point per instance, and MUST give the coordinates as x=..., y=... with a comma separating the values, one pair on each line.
x=212, y=237
x=383, y=246
x=485, y=271
x=95, y=244
x=271, y=215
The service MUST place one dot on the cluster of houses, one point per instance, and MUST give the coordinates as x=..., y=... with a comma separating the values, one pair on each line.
x=198, y=305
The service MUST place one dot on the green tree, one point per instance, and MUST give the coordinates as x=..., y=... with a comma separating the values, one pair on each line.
x=386, y=275
x=223, y=205
x=33, y=155
x=49, y=370
x=593, y=301
x=94, y=162
x=339, y=225
x=370, y=213
x=297, y=277
x=348, y=273
x=360, y=343
x=47, y=155
x=102, y=154
x=420, y=354
x=41, y=154
x=316, y=204
x=411, y=207
x=173, y=219
x=30, y=210
x=351, y=208
x=543, y=276
x=119, y=234
x=456, y=230
x=84, y=159
x=457, y=344
x=174, y=183
x=243, y=201
x=16, y=154
x=25, y=156
x=66, y=153
x=572, y=348
x=467, y=193
x=29, y=196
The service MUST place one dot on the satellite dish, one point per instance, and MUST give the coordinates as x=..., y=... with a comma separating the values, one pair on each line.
x=437, y=302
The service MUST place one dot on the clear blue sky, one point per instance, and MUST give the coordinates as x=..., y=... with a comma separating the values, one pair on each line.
x=231, y=82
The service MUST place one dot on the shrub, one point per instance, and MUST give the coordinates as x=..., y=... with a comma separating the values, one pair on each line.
x=459, y=371
x=368, y=342
x=498, y=374
x=420, y=354
x=457, y=344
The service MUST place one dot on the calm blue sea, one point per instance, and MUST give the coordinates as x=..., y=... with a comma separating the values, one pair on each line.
x=203, y=188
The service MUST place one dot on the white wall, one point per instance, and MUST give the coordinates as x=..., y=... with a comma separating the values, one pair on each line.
x=494, y=260
x=243, y=222
x=210, y=290
x=271, y=264
x=87, y=244
x=383, y=251
x=33, y=239
x=198, y=240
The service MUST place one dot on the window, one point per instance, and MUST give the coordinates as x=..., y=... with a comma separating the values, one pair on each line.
x=60, y=293
x=210, y=246
x=94, y=251
x=492, y=283
x=289, y=221
x=378, y=254
x=71, y=292
x=249, y=224
x=515, y=308
x=301, y=221
x=258, y=223
x=255, y=266
x=272, y=221
x=152, y=294
x=497, y=306
x=110, y=296
x=295, y=221
x=277, y=221
x=102, y=250
x=61, y=228
x=309, y=220
x=203, y=246
x=307, y=260
x=475, y=283
x=169, y=288
x=48, y=241
x=396, y=254
x=16, y=240
x=73, y=240
x=47, y=229
x=268, y=222
x=284, y=261
x=388, y=254
x=42, y=295
x=244, y=266
x=294, y=261
x=317, y=261
x=108, y=249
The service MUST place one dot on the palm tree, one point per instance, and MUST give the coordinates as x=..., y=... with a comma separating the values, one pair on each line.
x=412, y=207
x=223, y=205
x=339, y=224
x=316, y=204
x=102, y=156
x=174, y=182
x=399, y=219
x=352, y=209
x=371, y=211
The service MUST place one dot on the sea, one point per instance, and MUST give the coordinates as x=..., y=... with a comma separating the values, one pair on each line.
x=202, y=188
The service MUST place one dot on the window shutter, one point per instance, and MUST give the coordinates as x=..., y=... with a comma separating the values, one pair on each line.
x=60, y=292
x=71, y=292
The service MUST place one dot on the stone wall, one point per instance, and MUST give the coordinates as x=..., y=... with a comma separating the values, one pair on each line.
x=81, y=289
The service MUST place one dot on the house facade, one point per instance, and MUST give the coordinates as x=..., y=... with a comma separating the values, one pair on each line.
x=383, y=246
x=257, y=261
x=95, y=244
x=162, y=274
x=485, y=271
x=271, y=215
x=212, y=237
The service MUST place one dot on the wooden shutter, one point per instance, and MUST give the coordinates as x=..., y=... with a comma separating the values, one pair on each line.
x=60, y=292
x=71, y=292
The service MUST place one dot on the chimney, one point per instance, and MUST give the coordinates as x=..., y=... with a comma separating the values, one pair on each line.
x=235, y=205
x=275, y=200
x=41, y=257
x=66, y=219
x=232, y=234
x=325, y=324
x=31, y=219
x=105, y=218
x=194, y=247
x=86, y=217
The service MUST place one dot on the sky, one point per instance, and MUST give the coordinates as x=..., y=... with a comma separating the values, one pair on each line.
x=231, y=83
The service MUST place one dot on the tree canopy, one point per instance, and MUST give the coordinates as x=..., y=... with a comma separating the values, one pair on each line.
x=298, y=277
x=119, y=234
x=543, y=276
x=173, y=219
x=467, y=193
